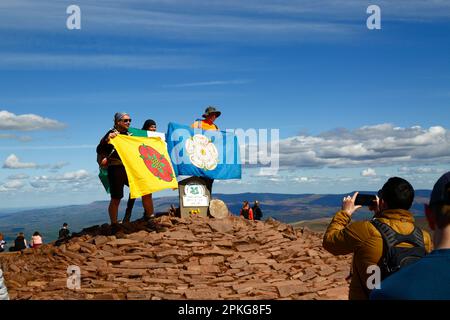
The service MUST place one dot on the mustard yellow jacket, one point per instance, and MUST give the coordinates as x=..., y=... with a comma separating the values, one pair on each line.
x=363, y=240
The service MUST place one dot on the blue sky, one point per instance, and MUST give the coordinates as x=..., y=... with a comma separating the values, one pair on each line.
x=353, y=106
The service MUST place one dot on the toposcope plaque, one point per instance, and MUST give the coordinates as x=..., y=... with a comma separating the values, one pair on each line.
x=194, y=197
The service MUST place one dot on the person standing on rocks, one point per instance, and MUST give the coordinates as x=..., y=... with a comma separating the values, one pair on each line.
x=210, y=116
x=246, y=211
x=117, y=175
x=149, y=125
x=428, y=278
x=363, y=239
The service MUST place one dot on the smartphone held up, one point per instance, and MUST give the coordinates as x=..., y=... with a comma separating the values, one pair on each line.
x=365, y=200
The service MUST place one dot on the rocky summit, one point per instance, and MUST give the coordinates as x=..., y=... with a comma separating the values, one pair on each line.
x=194, y=258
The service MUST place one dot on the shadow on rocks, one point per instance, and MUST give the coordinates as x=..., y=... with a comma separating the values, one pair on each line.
x=121, y=229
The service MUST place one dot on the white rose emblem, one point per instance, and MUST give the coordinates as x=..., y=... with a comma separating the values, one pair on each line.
x=202, y=152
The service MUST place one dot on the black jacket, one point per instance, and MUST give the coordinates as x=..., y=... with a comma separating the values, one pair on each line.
x=63, y=233
x=107, y=150
x=19, y=244
x=257, y=213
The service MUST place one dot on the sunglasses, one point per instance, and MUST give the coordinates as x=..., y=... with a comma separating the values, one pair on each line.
x=126, y=120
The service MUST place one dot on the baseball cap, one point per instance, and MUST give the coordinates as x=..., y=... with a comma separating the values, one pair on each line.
x=441, y=190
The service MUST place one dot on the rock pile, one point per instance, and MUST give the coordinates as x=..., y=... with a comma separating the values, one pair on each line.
x=195, y=258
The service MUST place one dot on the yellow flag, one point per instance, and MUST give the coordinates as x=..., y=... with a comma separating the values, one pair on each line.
x=147, y=163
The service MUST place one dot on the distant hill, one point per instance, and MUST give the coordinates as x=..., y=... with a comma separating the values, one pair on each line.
x=288, y=208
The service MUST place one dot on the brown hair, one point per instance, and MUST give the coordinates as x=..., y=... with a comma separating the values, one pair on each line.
x=442, y=214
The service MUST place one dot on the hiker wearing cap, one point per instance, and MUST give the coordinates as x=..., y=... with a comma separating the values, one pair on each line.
x=428, y=278
x=108, y=157
x=363, y=238
x=210, y=115
x=149, y=125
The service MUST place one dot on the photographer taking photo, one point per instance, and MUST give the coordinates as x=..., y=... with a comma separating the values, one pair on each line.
x=363, y=238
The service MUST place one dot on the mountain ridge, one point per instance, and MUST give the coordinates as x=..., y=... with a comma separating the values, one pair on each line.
x=287, y=208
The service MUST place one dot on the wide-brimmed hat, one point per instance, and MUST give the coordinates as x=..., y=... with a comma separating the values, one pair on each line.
x=210, y=110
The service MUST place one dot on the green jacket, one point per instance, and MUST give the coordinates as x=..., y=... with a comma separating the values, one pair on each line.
x=363, y=240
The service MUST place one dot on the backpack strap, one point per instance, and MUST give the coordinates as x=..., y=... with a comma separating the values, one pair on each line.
x=387, y=233
x=392, y=238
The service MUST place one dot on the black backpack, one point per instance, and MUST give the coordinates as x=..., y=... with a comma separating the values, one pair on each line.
x=394, y=258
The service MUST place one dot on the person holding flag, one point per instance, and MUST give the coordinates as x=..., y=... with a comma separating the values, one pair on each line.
x=210, y=115
x=202, y=150
x=108, y=157
x=149, y=125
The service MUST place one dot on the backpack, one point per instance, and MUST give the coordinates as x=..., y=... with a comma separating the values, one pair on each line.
x=394, y=258
x=245, y=213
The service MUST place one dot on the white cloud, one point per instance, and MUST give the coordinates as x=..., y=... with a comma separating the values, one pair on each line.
x=369, y=172
x=80, y=175
x=301, y=179
x=12, y=185
x=368, y=146
x=420, y=170
x=13, y=162
x=27, y=122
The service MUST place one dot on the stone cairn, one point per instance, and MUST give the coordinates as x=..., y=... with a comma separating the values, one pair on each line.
x=183, y=258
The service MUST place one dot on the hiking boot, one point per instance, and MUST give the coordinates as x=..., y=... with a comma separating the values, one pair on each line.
x=115, y=227
x=154, y=226
x=148, y=217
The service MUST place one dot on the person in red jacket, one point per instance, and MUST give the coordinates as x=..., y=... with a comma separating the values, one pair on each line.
x=246, y=211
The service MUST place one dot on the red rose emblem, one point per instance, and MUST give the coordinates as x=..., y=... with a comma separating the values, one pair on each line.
x=156, y=163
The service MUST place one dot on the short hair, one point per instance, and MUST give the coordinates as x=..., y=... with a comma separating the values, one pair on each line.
x=442, y=215
x=397, y=193
x=65, y=224
x=36, y=234
x=440, y=201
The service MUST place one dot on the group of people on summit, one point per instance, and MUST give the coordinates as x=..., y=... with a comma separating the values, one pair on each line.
x=251, y=213
x=109, y=158
x=409, y=267
x=391, y=240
